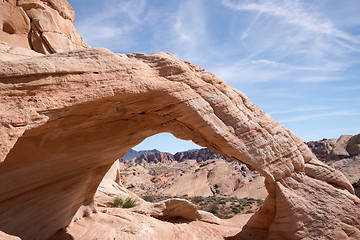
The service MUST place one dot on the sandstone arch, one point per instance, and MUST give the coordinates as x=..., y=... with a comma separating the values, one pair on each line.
x=66, y=116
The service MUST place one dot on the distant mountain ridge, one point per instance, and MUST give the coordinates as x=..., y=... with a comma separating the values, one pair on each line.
x=155, y=156
x=200, y=155
x=133, y=153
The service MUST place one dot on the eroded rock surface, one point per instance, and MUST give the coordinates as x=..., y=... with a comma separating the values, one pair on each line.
x=43, y=26
x=65, y=117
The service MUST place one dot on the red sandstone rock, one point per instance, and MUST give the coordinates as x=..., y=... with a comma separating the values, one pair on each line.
x=43, y=26
x=339, y=150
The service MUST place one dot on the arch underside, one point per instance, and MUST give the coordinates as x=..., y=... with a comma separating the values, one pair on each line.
x=68, y=116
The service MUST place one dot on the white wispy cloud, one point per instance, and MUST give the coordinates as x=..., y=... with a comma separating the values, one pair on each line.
x=294, y=12
x=318, y=79
x=265, y=70
x=300, y=109
x=266, y=62
x=344, y=99
x=133, y=9
x=288, y=40
x=244, y=71
x=248, y=29
x=189, y=28
x=320, y=116
x=112, y=23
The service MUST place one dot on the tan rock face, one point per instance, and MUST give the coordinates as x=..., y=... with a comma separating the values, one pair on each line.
x=339, y=150
x=43, y=26
x=65, y=117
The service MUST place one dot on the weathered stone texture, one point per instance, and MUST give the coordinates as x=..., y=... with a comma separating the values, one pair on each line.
x=43, y=26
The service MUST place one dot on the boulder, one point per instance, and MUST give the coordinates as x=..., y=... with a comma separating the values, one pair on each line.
x=339, y=150
x=322, y=148
x=171, y=210
x=353, y=146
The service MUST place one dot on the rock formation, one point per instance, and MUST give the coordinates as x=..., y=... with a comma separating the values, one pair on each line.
x=343, y=154
x=66, y=117
x=322, y=148
x=45, y=26
x=353, y=145
x=339, y=150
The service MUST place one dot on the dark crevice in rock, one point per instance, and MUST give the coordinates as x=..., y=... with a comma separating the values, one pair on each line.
x=8, y=28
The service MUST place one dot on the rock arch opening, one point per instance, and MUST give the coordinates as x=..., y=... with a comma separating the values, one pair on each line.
x=71, y=123
x=209, y=180
x=166, y=142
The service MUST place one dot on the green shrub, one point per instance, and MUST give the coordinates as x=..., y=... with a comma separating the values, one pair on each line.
x=118, y=202
x=149, y=198
x=128, y=203
x=197, y=199
x=214, y=209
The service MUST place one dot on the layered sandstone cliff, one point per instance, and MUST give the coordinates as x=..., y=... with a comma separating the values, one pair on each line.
x=66, y=117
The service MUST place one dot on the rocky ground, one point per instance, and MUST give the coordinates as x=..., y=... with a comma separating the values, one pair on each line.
x=222, y=207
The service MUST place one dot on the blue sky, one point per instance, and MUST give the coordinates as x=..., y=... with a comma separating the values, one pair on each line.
x=297, y=60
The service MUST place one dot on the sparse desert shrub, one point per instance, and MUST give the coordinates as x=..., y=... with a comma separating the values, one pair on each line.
x=197, y=199
x=118, y=202
x=127, y=203
x=149, y=198
x=214, y=209
x=235, y=210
